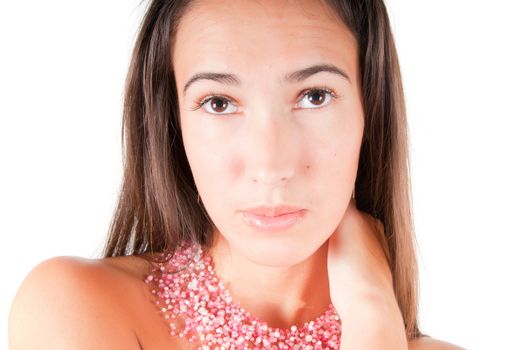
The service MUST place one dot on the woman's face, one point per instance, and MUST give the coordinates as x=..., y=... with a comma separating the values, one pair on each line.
x=261, y=141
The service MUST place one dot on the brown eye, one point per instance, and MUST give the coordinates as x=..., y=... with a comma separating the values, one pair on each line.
x=317, y=97
x=217, y=105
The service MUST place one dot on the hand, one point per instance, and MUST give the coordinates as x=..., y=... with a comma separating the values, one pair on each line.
x=361, y=285
x=357, y=261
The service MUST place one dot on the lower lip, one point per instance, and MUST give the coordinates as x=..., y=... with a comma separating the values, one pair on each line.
x=273, y=223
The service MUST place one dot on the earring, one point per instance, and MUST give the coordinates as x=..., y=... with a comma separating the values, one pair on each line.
x=353, y=194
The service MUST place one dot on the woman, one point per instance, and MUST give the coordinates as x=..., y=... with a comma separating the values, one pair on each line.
x=266, y=152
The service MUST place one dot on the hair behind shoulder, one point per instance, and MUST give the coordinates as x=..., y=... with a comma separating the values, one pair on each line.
x=158, y=207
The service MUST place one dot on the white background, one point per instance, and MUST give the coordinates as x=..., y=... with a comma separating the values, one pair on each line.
x=62, y=72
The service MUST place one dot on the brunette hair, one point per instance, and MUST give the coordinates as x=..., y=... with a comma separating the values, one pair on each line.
x=158, y=207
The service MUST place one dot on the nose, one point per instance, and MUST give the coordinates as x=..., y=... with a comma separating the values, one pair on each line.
x=270, y=150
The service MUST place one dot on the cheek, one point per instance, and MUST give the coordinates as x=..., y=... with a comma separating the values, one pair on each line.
x=210, y=168
x=334, y=157
x=212, y=164
x=334, y=151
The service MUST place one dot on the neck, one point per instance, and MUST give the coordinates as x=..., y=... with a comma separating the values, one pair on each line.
x=280, y=296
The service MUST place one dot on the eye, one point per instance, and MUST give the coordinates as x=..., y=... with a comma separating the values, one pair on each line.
x=317, y=96
x=219, y=104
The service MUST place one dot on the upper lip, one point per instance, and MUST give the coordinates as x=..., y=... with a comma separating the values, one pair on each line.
x=272, y=211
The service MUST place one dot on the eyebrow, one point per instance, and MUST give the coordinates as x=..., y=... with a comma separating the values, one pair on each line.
x=296, y=76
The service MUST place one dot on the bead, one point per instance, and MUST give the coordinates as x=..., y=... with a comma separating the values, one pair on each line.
x=186, y=286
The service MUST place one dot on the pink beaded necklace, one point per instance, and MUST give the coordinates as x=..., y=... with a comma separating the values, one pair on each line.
x=187, y=285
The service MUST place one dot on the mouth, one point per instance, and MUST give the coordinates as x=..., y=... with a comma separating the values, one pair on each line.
x=273, y=211
x=273, y=223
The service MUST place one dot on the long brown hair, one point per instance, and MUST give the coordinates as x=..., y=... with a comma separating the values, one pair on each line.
x=158, y=205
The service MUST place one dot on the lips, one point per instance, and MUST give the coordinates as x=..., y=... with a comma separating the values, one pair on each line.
x=272, y=211
x=273, y=219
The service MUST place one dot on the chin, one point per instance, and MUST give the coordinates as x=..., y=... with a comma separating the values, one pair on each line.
x=283, y=251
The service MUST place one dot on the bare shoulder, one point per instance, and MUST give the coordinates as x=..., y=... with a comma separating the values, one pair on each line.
x=429, y=343
x=70, y=302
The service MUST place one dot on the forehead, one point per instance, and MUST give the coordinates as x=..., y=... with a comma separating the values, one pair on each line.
x=255, y=38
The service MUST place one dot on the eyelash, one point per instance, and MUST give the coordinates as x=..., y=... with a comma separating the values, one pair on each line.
x=198, y=103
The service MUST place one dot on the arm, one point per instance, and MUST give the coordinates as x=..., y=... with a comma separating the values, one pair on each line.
x=361, y=285
x=68, y=303
x=359, y=333
x=361, y=288
x=374, y=322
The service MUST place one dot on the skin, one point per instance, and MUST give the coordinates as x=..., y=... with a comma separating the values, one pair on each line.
x=269, y=150
x=270, y=145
